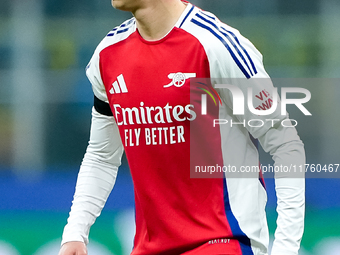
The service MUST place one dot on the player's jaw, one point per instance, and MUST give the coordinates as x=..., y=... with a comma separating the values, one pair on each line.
x=125, y=5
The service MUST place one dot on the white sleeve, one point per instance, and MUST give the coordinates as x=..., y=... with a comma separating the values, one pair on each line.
x=287, y=149
x=96, y=177
x=285, y=146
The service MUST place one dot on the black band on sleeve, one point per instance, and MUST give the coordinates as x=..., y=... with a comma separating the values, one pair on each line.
x=102, y=107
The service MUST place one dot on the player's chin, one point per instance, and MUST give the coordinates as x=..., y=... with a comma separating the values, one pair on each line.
x=129, y=6
x=119, y=5
x=116, y=4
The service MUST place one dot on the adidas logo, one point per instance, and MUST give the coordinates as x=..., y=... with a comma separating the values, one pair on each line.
x=119, y=86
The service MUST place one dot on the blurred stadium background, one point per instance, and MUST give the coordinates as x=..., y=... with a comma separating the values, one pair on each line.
x=45, y=104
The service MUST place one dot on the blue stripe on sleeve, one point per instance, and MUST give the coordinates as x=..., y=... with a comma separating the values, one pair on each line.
x=232, y=43
x=122, y=28
x=245, y=51
x=238, y=63
x=122, y=31
x=112, y=32
x=211, y=17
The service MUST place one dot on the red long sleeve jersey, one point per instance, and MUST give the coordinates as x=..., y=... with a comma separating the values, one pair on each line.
x=165, y=135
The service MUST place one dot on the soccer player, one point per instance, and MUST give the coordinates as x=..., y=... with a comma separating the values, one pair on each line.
x=145, y=104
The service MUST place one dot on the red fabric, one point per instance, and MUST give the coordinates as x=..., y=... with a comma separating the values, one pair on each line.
x=174, y=212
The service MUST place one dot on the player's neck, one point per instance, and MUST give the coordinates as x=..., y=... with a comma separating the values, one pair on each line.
x=157, y=19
